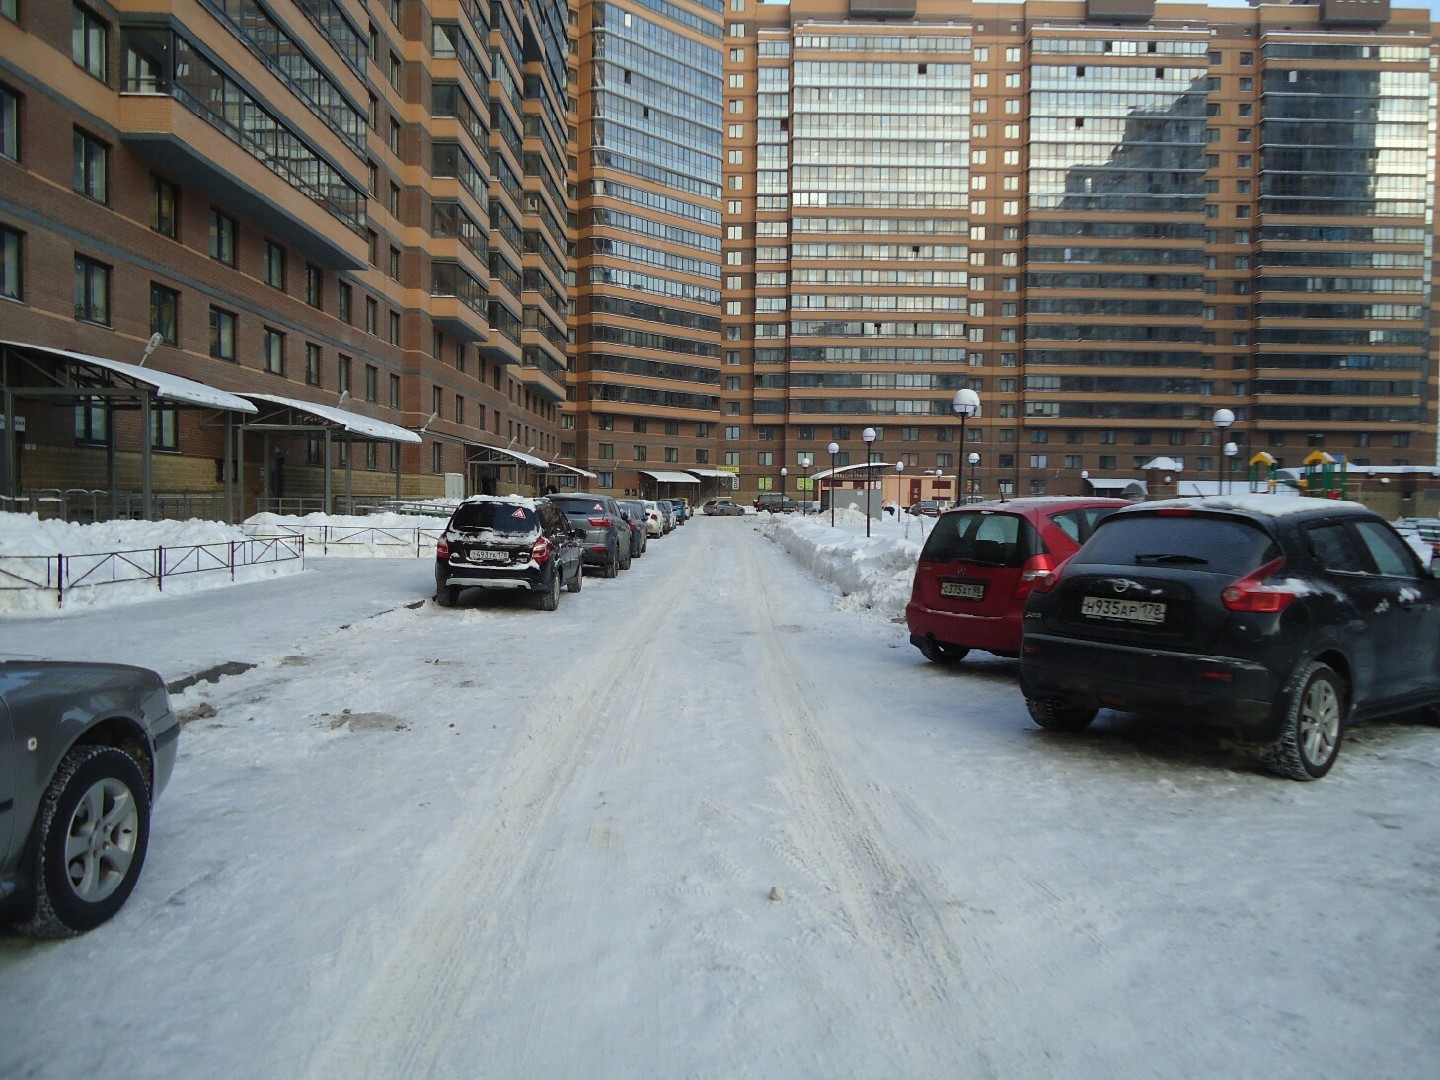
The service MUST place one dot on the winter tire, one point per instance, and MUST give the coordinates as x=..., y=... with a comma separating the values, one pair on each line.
x=937, y=652
x=90, y=839
x=612, y=567
x=550, y=598
x=447, y=595
x=578, y=579
x=1054, y=715
x=1312, y=727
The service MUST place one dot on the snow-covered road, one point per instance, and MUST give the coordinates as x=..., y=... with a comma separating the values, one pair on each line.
x=699, y=822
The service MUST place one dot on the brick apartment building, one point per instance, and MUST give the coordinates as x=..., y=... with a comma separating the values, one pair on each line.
x=663, y=247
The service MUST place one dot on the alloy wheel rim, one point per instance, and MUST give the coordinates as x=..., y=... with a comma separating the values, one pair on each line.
x=100, y=841
x=1319, y=722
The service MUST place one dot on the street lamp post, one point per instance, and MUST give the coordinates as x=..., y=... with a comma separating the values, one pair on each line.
x=1222, y=419
x=1230, y=451
x=834, y=449
x=966, y=404
x=868, y=435
x=804, y=461
x=784, y=472
x=974, y=460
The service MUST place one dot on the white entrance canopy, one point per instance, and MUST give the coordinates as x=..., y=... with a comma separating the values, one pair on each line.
x=365, y=427
x=874, y=466
x=490, y=455
x=712, y=474
x=167, y=387
x=669, y=477
x=557, y=466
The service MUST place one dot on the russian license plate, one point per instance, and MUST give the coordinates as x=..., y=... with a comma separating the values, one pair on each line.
x=486, y=555
x=963, y=590
x=1106, y=607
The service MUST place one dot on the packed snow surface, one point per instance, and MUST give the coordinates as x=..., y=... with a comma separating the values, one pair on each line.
x=712, y=818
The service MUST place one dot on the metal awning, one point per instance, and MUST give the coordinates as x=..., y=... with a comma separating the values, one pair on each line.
x=713, y=474
x=364, y=427
x=669, y=477
x=557, y=466
x=165, y=386
x=491, y=455
x=874, y=466
x=1116, y=483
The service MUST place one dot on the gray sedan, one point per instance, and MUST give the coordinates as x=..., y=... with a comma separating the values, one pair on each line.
x=84, y=750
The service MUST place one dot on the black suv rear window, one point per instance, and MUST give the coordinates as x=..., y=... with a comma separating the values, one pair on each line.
x=1222, y=545
x=986, y=537
x=496, y=516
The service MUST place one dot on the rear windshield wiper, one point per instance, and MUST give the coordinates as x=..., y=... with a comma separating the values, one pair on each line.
x=1161, y=557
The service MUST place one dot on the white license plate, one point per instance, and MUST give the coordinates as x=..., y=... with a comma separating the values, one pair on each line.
x=486, y=555
x=964, y=590
x=1105, y=607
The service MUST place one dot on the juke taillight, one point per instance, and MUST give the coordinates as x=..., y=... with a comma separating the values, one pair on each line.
x=442, y=548
x=540, y=550
x=1251, y=593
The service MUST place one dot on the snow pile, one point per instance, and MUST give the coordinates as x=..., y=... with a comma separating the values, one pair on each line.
x=872, y=573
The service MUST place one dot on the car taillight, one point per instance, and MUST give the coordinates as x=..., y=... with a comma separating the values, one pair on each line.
x=442, y=548
x=540, y=550
x=1037, y=573
x=1250, y=593
x=600, y=522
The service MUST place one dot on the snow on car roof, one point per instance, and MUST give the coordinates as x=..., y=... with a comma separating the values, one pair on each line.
x=508, y=500
x=1269, y=505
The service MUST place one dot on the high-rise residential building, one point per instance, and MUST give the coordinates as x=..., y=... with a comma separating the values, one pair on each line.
x=662, y=245
x=647, y=375
x=353, y=215
x=1114, y=221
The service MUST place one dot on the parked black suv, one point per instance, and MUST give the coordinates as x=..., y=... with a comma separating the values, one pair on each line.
x=1280, y=618
x=508, y=542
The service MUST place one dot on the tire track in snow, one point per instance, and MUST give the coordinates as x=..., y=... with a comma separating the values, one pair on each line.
x=889, y=907
x=449, y=958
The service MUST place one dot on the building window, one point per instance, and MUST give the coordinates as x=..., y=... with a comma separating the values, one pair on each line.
x=346, y=302
x=92, y=167
x=222, y=237
x=312, y=363
x=9, y=123
x=165, y=313
x=372, y=316
x=640, y=452
x=607, y=451
x=165, y=428
x=222, y=334
x=89, y=42
x=92, y=291
x=342, y=374
x=273, y=265
x=394, y=328
x=437, y=461
x=372, y=382
x=12, y=264
x=395, y=395
x=164, y=207
x=459, y=409
x=274, y=351
x=91, y=422
x=314, y=285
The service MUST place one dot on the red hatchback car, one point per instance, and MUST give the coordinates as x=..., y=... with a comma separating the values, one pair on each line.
x=979, y=564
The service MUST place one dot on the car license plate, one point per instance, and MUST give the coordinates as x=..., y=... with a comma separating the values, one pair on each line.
x=486, y=555
x=1105, y=607
x=964, y=590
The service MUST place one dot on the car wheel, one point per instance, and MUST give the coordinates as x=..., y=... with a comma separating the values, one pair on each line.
x=578, y=579
x=550, y=598
x=447, y=595
x=1313, y=725
x=1054, y=715
x=612, y=567
x=937, y=652
x=91, y=834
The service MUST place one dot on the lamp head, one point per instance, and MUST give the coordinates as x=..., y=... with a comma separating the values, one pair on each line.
x=868, y=435
x=974, y=458
x=966, y=402
x=1223, y=418
x=834, y=448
